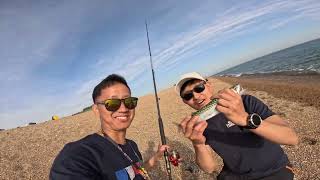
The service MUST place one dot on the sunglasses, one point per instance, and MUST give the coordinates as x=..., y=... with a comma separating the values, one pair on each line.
x=198, y=89
x=114, y=104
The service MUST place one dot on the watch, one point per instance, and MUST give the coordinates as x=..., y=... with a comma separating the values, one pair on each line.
x=253, y=121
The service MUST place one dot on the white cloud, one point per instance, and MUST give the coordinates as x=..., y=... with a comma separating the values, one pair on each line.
x=34, y=35
x=236, y=21
x=300, y=10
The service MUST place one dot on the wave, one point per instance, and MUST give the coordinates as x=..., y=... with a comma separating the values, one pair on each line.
x=300, y=59
x=279, y=72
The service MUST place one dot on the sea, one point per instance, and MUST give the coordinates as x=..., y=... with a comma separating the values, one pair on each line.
x=300, y=59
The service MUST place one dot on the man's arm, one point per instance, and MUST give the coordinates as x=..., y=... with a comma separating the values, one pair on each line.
x=272, y=128
x=204, y=154
x=275, y=129
x=204, y=158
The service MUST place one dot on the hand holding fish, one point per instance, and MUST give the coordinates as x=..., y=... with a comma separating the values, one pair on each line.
x=231, y=105
x=193, y=129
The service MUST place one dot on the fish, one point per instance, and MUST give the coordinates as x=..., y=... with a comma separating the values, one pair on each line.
x=209, y=110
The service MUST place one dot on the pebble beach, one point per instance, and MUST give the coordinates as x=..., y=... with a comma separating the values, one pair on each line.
x=28, y=152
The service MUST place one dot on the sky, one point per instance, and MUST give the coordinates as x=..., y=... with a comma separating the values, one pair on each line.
x=53, y=53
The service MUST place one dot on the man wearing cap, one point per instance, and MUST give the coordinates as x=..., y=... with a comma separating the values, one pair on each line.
x=246, y=134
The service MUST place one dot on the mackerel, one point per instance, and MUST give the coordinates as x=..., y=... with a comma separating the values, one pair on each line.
x=209, y=110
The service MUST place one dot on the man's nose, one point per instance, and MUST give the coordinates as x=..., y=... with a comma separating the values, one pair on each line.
x=122, y=108
x=196, y=95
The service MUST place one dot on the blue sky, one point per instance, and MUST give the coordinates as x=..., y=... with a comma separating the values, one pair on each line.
x=53, y=53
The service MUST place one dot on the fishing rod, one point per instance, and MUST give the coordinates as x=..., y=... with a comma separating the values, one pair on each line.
x=163, y=137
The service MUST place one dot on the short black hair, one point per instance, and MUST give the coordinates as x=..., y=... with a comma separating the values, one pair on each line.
x=107, y=82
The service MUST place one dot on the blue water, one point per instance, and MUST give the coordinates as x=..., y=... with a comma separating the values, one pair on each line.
x=300, y=58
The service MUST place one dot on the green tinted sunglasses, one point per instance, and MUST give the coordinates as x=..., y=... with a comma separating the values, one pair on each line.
x=114, y=104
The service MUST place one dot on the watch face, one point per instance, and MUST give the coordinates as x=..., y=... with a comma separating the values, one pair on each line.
x=256, y=119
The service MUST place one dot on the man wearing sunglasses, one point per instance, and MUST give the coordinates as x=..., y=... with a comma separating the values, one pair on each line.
x=246, y=134
x=107, y=154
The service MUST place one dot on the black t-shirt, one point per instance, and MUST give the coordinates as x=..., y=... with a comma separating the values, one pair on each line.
x=243, y=152
x=94, y=157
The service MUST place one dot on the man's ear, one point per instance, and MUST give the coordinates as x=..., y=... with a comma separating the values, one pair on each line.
x=209, y=86
x=95, y=110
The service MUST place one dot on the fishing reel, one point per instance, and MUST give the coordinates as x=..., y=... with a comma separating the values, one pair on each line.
x=174, y=158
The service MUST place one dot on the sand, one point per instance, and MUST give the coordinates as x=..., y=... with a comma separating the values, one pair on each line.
x=28, y=152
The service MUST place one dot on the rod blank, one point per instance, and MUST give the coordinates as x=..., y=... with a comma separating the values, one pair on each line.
x=162, y=135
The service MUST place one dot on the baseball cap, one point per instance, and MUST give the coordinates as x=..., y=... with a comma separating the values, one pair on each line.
x=186, y=77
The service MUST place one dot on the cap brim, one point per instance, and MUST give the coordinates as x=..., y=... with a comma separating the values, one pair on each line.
x=180, y=84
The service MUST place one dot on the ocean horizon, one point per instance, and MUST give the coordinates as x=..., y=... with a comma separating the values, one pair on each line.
x=299, y=59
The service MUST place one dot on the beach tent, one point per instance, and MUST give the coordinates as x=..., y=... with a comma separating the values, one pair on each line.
x=55, y=117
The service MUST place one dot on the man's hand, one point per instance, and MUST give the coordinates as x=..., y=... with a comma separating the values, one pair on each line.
x=193, y=129
x=149, y=164
x=231, y=105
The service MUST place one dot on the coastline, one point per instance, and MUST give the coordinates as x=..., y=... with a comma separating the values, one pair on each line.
x=293, y=86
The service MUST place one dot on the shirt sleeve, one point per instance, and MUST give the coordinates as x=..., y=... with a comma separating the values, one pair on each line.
x=254, y=105
x=73, y=162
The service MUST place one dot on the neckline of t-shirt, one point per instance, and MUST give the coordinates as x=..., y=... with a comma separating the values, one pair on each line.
x=122, y=145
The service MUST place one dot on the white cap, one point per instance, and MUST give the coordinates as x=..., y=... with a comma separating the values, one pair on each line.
x=186, y=77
